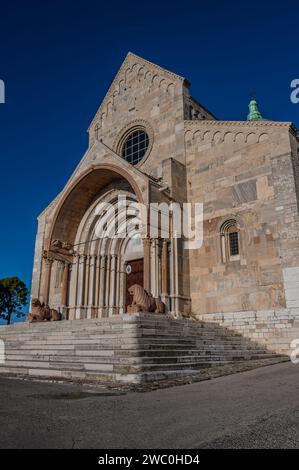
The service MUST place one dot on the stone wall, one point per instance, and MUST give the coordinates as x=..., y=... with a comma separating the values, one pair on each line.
x=275, y=329
x=247, y=171
x=243, y=171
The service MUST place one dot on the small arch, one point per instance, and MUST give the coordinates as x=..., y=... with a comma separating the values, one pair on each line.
x=217, y=138
x=230, y=240
x=263, y=137
x=197, y=135
x=127, y=73
x=251, y=138
x=207, y=136
x=170, y=89
x=228, y=137
x=240, y=138
x=188, y=136
x=163, y=84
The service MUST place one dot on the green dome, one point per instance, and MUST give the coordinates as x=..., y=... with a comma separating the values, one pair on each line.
x=254, y=113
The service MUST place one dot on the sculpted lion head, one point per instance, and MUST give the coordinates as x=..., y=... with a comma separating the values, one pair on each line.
x=141, y=298
x=136, y=290
x=35, y=303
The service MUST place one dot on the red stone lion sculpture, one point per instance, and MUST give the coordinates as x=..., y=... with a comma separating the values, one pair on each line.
x=41, y=312
x=144, y=302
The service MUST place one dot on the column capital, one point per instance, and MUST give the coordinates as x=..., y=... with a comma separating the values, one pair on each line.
x=48, y=261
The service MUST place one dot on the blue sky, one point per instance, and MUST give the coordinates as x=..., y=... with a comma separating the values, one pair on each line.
x=57, y=60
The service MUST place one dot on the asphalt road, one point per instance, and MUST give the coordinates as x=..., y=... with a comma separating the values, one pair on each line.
x=255, y=409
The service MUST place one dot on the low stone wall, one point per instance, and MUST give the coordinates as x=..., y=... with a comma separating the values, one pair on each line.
x=275, y=329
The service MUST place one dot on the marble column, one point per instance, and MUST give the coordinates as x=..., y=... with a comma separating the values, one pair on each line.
x=164, y=267
x=64, y=285
x=81, y=287
x=73, y=288
x=102, y=285
x=47, y=280
x=155, y=267
x=91, y=286
x=97, y=281
x=64, y=290
x=112, y=286
x=107, y=285
x=147, y=264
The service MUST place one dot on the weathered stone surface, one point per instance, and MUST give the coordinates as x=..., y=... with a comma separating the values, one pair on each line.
x=141, y=349
x=247, y=172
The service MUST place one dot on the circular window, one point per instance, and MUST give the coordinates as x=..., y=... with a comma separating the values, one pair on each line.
x=135, y=146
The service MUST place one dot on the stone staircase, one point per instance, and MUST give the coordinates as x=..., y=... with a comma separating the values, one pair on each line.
x=126, y=348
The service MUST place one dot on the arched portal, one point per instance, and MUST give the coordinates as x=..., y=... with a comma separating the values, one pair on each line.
x=80, y=194
x=86, y=263
x=86, y=270
x=107, y=240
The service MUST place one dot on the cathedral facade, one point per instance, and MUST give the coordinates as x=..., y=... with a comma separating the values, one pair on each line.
x=150, y=142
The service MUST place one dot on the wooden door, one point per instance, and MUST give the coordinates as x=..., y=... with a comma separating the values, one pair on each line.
x=134, y=275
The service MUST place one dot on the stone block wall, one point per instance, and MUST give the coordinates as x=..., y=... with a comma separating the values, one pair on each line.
x=243, y=171
x=275, y=329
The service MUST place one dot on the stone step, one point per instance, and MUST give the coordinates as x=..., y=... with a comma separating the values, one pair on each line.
x=113, y=358
x=95, y=335
x=151, y=341
x=67, y=327
x=51, y=367
x=126, y=349
x=123, y=348
x=104, y=338
x=129, y=352
x=108, y=377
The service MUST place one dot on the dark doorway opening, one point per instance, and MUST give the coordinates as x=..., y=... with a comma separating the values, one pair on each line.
x=134, y=275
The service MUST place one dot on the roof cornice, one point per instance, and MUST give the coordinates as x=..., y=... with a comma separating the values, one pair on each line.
x=216, y=123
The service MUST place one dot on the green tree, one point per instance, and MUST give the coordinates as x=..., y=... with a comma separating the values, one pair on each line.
x=13, y=296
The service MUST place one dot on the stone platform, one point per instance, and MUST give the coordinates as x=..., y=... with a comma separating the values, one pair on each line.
x=126, y=348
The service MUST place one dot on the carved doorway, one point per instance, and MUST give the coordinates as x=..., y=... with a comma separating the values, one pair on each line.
x=134, y=275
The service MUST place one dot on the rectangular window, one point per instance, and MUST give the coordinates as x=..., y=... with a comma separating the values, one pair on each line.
x=233, y=243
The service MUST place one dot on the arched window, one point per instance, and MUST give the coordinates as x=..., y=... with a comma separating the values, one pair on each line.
x=230, y=241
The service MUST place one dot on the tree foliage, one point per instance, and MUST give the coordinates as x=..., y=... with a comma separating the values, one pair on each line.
x=13, y=296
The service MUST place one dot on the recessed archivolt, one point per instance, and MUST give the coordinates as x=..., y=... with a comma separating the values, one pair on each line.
x=228, y=221
x=218, y=137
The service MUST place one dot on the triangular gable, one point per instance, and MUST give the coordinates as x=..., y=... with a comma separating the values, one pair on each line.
x=132, y=61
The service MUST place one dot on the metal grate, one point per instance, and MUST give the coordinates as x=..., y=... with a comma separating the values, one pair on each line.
x=135, y=147
x=233, y=243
